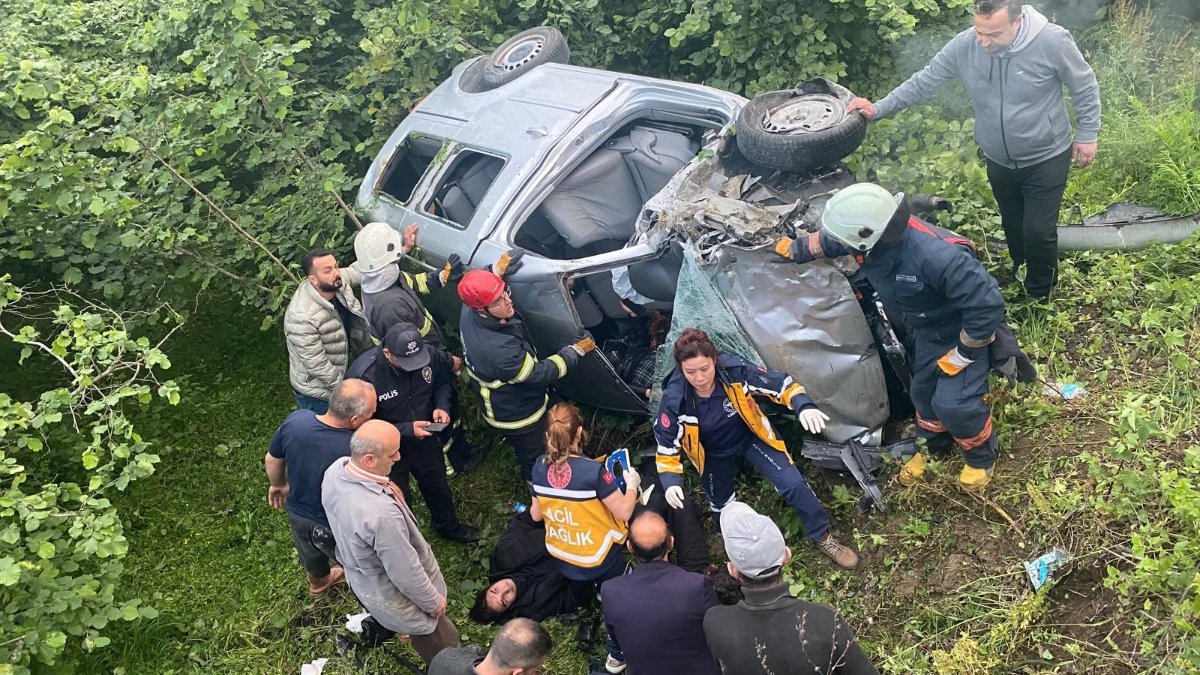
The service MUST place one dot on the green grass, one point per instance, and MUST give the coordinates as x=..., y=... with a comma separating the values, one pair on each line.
x=941, y=588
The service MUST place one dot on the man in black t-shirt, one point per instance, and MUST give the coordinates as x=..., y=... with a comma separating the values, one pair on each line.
x=304, y=446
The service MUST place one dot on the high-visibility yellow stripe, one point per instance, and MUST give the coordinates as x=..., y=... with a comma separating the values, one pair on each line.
x=561, y=363
x=526, y=368
x=427, y=325
x=423, y=283
x=490, y=418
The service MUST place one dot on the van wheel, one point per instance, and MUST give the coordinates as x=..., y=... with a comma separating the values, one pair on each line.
x=522, y=53
x=800, y=129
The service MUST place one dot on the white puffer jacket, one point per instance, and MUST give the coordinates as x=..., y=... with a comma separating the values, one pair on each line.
x=318, y=349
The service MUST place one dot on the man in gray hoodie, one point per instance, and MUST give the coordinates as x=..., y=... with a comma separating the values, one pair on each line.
x=1014, y=63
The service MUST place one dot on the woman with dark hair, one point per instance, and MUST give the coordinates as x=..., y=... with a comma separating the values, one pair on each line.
x=708, y=412
x=524, y=581
x=584, y=510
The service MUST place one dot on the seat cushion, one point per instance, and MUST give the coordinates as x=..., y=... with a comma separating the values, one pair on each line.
x=597, y=201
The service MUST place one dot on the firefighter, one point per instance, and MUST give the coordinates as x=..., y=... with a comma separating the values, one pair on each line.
x=413, y=385
x=512, y=383
x=946, y=297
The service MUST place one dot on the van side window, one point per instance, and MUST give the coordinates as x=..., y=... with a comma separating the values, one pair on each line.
x=407, y=165
x=464, y=186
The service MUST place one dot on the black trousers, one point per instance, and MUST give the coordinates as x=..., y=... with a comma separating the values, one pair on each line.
x=314, y=543
x=529, y=443
x=422, y=458
x=1029, y=199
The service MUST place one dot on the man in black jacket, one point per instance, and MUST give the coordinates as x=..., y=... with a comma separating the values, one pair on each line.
x=523, y=580
x=770, y=631
x=414, y=393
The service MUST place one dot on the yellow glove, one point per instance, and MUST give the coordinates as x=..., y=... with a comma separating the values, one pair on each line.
x=784, y=247
x=584, y=343
x=953, y=362
x=509, y=262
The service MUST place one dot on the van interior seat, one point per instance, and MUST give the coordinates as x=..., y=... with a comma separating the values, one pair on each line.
x=597, y=201
x=657, y=278
x=653, y=156
x=467, y=186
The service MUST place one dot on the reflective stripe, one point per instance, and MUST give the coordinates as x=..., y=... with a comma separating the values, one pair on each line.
x=427, y=325
x=588, y=561
x=526, y=369
x=569, y=494
x=930, y=425
x=974, y=343
x=978, y=439
x=490, y=417
x=423, y=283
x=494, y=384
x=664, y=450
x=561, y=363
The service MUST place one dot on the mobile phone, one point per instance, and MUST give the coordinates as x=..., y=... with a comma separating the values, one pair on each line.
x=435, y=427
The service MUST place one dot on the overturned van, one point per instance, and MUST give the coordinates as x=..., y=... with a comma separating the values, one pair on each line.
x=644, y=206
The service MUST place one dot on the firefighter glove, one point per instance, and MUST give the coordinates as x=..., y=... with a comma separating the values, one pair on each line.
x=812, y=420
x=584, y=343
x=674, y=496
x=452, y=270
x=784, y=247
x=953, y=362
x=510, y=261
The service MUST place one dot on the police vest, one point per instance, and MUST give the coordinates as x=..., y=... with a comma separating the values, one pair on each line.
x=580, y=530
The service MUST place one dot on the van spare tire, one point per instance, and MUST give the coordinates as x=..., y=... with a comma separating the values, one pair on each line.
x=800, y=129
x=522, y=53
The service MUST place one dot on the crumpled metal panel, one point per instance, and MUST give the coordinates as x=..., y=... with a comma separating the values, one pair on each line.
x=805, y=320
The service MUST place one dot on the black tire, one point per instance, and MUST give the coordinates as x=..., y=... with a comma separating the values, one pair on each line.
x=522, y=53
x=819, y=139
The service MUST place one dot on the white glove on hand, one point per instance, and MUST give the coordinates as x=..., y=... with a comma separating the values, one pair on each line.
x=633, y=480
x=674, y=496
x=813, y=420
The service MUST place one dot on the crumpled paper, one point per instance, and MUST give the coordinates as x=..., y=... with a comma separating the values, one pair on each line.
x=354, y=622
x=313, y=668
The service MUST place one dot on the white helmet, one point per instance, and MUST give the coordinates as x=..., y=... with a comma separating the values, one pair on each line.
x=378, y=245
x=857, y=215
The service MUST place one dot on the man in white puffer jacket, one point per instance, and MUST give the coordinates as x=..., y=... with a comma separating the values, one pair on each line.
x=325, y=327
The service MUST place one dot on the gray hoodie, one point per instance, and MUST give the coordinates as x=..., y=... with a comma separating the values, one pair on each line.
x=1020, y=116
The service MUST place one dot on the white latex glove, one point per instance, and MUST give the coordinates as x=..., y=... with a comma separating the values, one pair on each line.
x=674, y=496
x=633, y=480
x=813, y=420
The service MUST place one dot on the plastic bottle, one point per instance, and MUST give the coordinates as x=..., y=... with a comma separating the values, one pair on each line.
x=518, y=507
x=1066, y=390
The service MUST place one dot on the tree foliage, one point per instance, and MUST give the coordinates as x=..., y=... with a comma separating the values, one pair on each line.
x=151, y=146
x=64, y=450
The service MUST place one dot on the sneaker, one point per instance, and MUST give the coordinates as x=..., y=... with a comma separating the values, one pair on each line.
x=475, y=457
x=841, y=555
x=612, y=665
x=912, y=470
x=972, y=479
x=318, y=585
x=463, y=534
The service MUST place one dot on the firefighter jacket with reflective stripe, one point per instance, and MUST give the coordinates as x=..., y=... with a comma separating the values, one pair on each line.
x=677, y=427
x=511, y=382
x=405, y=397
x=400, y=302
x=936, y=284
x=580, y=530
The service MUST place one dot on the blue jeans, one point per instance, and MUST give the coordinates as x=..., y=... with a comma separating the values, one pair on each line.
x=317, y=405
x=720, y=472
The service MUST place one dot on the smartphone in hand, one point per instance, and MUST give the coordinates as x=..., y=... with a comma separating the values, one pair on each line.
x=436, y=427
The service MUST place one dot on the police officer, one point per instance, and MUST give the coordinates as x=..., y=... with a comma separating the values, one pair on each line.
x=944, y=294
x=512, y=383
x=391, y=295
x=413, y=387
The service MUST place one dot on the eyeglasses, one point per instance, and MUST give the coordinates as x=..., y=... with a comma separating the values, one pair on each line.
x=505, y=298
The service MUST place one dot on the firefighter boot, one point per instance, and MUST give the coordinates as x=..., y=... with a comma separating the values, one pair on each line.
x=913, y=470
x=972, y=479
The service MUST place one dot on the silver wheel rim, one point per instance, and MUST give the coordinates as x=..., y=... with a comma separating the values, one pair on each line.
x=804, y=114
x=519, y=53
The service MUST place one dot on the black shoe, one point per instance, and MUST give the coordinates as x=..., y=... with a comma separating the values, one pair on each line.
x=463, y=534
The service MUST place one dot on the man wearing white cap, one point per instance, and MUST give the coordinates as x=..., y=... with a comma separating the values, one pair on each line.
x=770, y=631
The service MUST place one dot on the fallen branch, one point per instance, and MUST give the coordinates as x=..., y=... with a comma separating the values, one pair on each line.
x=213, y=205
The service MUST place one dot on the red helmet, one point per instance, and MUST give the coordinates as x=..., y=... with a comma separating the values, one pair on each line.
x=480, y=288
